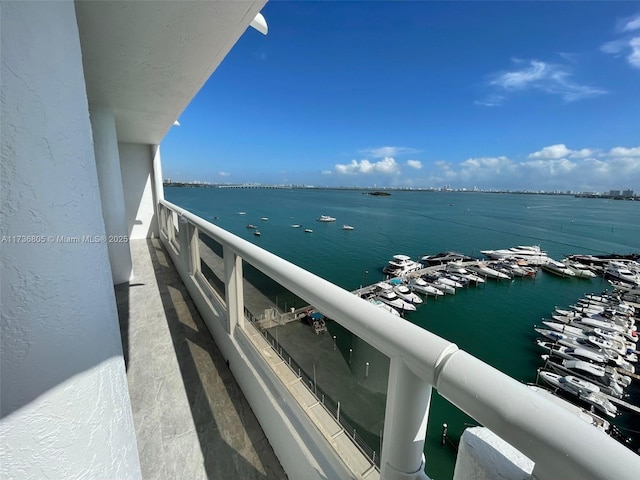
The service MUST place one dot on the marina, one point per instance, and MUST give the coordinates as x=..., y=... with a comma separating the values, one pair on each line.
x=492, y=319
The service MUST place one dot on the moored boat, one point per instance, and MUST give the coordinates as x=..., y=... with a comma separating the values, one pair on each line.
x=421, y=286
x=401, y=265
x=557, y=268
x=533, y=254
x=484, y=269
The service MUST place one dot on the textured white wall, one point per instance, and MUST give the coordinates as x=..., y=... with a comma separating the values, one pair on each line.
x=64, y=400
x=136, y=163
x=482, y=455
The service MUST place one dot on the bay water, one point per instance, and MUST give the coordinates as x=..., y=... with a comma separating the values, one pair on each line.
x=493, y=322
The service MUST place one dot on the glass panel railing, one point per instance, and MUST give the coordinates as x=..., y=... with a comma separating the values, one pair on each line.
x=346, y=375
x=212, y=263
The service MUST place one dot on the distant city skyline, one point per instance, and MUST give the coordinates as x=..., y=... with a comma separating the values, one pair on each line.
x=496, y=95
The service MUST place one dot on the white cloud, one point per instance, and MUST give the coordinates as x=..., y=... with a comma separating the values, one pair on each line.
x=550, y=78
x=630, y=47
x=224, y=174
x=615, y=46
x=382, y=152
x=387, y=166
x=326, y=172
x=552, y=151
x=634, y=57
x=555, y=167
x=561, y=151
x=632, y=24
x=522, y=78
x=627, y=45
x=417, y=164
x=625, y=152
x=584, y=153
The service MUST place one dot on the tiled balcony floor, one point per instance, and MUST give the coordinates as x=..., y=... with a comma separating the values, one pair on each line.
x=191, y=418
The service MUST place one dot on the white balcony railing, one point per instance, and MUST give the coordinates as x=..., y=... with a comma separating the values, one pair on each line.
x=562, y=445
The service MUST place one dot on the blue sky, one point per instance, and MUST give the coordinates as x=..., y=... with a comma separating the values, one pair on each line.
x=519, y=95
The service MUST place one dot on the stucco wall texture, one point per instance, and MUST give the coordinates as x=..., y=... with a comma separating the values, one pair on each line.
x=65, y=410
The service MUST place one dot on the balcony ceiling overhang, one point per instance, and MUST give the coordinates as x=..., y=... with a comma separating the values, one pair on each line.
x=147, y=60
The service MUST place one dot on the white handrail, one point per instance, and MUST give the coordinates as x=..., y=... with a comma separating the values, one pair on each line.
x=561, y=444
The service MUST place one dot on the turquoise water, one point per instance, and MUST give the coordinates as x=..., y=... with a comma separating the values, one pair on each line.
x=493, y=322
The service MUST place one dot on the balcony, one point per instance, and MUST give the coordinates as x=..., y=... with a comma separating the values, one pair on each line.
x=190, y=416
x=304, y=429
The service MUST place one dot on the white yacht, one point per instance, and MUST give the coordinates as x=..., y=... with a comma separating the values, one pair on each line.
x=384, y=306
x=620, y=271
x=386, y=294
x=533, y=254
x=569, y=383
x=326, y=218
x=420, y=286
x=484, y=269
x=557, y=268
x=580, y=270
x=401, y=265
x=406, y=294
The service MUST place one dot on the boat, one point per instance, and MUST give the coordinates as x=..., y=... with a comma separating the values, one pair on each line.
x=384, y=306
x=572, y=353
x=401, y=265
x=484, y=269
x=242, y=213
x=407, y=295
x=620, y=271
x=571, y=341
x=325, y=218
x=445, y=257
x=458, y=269
x=437, y=282
x=584, y=390
x=557, y=268
x=584, y=371
x=347, y=227
x=460, y=279
x=295, y=225
x=385, y=293
x=264, y=219
x=586, y=415
x=569, y=383
x=308, y=230
x=580, y=270
x=253, y=227
x=257, y=233
x=533, y=254
x=421, y=286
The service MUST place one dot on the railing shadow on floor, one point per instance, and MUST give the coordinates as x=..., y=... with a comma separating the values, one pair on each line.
x=187, y=329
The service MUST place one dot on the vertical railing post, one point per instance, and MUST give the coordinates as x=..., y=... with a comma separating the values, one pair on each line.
x=170, y=229
x=184, y=242
x=234, y=291
x=162, y=218
x=405, y=424
x=194, y=249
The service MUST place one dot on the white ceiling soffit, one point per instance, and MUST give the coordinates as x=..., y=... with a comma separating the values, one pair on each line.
x=146, y=60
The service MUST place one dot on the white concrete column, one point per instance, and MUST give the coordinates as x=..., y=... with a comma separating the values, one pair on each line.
x=158, y=187
x=105, y=144
x=234, y=291
x=157, y=174
x=405, y=424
